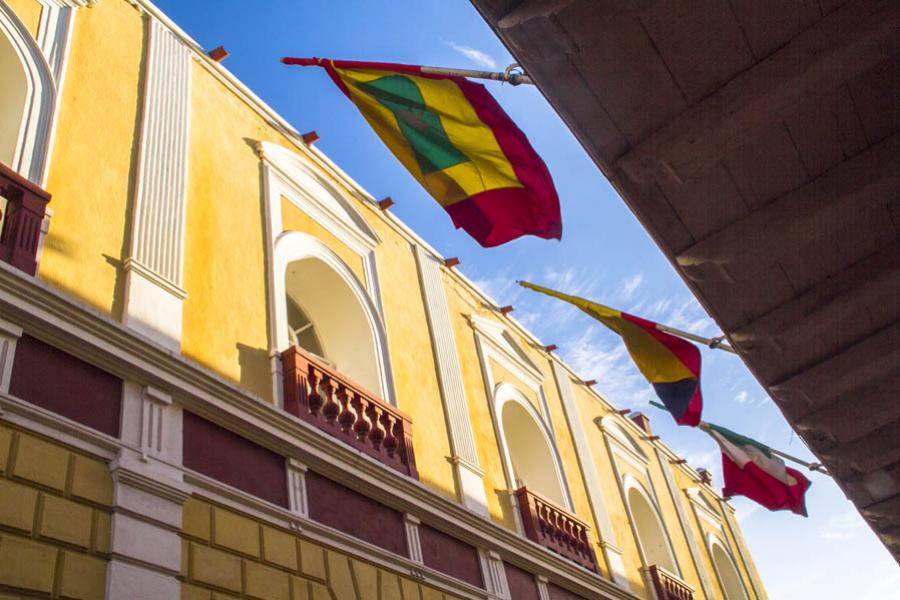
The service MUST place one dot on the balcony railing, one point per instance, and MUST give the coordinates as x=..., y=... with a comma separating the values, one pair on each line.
x=669, y=586
x=555, y=529
x=323, y=397
x=22, y=217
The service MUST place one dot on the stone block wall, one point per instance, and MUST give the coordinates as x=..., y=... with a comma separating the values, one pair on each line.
x=55, y=516
x=229, y=555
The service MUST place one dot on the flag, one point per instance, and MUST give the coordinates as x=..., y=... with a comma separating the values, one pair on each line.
x=751, y=469
x=458, y=143
x=670, y=364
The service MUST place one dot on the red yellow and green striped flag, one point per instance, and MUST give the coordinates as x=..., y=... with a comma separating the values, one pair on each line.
x=670, y=364
x=458, y=143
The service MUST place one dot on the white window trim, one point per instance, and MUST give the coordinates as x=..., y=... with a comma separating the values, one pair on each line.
x=628, y=483
x=714, y=540
x=33, y=145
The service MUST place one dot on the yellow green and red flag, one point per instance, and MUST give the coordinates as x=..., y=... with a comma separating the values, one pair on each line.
x=670, y=364
x=458, y=143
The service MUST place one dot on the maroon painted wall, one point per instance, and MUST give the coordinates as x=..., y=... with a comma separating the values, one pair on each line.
x=522, y=585
x=448, y=555
x=557, y=593
x=57, y=381
x=232, y=459
x=339, y=507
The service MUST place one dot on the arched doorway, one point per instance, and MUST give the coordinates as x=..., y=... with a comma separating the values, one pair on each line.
x=319, y=304
x=728, y=574
x=651, y=535
x=324, y=317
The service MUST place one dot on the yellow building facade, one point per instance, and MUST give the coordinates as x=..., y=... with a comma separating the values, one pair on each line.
x=226, y=372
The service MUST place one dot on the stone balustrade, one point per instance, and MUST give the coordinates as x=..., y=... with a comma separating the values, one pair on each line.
x=555, y=528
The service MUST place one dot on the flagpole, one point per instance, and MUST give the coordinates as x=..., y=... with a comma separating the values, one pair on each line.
x=715, y=343
x=507, y=76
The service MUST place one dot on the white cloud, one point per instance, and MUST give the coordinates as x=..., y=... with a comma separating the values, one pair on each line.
x=630, y=286
x=742, y=397
x=842, y=527
x=476, y=56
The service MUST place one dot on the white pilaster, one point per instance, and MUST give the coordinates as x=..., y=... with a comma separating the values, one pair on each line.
x=467, y=472
x=591, y=478
x=494, y=574
x=413, y=543
x=9, y=336
x=154, y=293
x=296, y=480
x=675, y=494
x=145, y=554
x=543, y=592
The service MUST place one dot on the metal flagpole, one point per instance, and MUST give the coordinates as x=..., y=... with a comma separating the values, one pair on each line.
x=715, y=343
x=817, y=467
x=508, y=76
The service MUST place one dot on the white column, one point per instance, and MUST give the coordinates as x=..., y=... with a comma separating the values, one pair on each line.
x=9, y=336
x=466, y=469
x=297, y=499
x=494, y=574
x=154, y=294
x=148, y=498
x=611, y=551
x=675, y=494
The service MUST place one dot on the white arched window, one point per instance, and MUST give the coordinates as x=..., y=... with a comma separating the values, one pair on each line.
x=528, y=446
x=28, y=99
x=322, y=306
x=727, y=572
x=648, y=526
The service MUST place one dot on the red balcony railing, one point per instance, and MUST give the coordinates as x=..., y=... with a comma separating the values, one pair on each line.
x=22, y=217
x=556, y=529
x=668, y=586
x=323, y=397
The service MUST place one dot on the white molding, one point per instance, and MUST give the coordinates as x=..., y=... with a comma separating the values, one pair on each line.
x=500, y=347
x=155, y=267
x=507, y=392
x=702, y=510
x=684, y=522
x=9, y=337
x=590, y=476
x=464, y=456
x=742, y=549
x=413, y=541
x=713, y=540
x=292, y=246
x=543, y=591
x=298, y=502
x=287, y=174
x=32, y=147
x=87, y=334
x=494, y=574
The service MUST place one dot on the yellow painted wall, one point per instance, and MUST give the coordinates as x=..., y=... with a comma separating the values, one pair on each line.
x=225, y=325
x=225, y=550
x=294, y=219
x=54, y=517
x=94, y=157
x=412, y=356
x=29, y=12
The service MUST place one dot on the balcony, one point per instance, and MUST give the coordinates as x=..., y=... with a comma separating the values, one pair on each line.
x=669, y=586
x=22, y=207
x=555, y=529
x=321, y=396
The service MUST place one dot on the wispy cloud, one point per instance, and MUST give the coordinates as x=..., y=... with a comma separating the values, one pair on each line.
x=630, y=286
x=742, y=397
x=476, y=56
x=842, y=527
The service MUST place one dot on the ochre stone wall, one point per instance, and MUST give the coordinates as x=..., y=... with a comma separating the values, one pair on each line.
x=54, y=518
x=230, y=555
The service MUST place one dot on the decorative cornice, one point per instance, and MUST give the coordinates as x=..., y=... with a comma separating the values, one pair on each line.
x=87, y=334
x=132, y=264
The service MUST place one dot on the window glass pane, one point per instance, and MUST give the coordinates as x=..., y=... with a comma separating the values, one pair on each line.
x=301, y=330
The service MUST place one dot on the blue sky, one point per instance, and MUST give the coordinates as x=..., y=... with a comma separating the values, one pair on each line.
x=605, y=254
